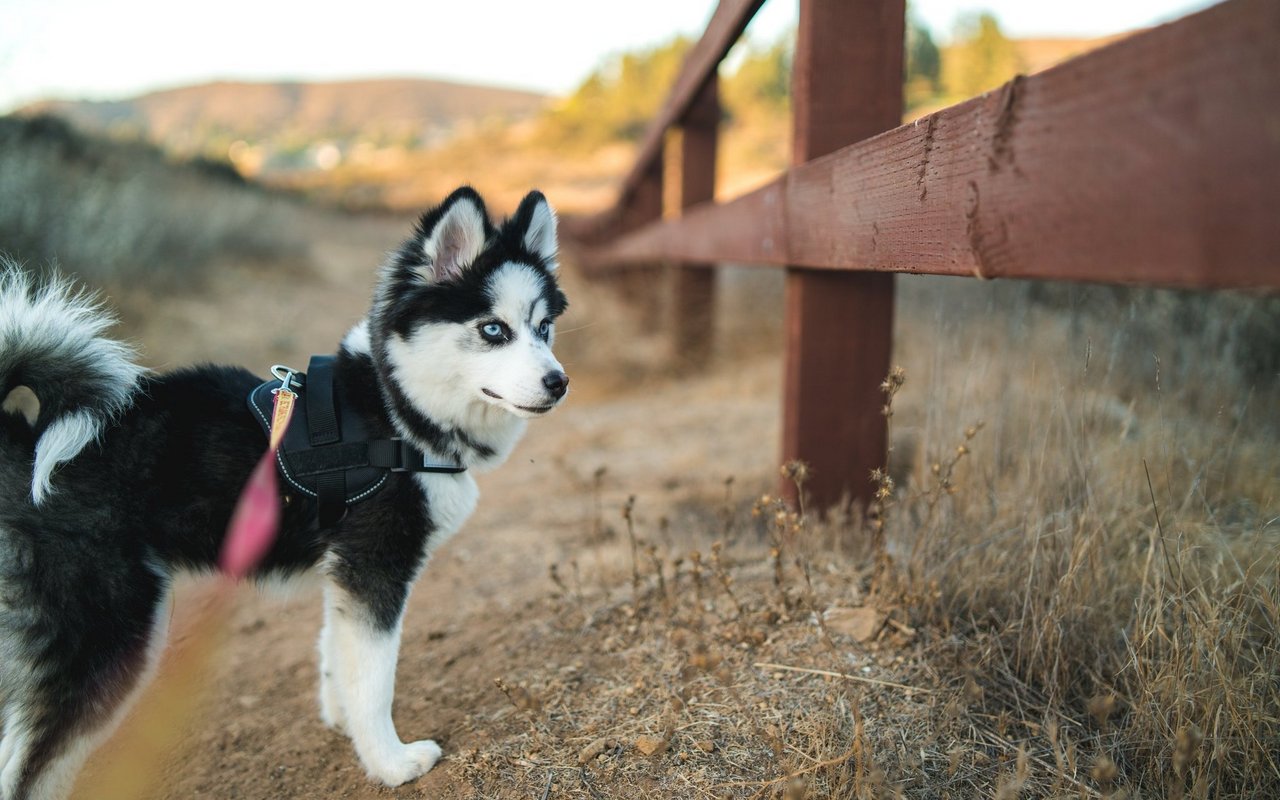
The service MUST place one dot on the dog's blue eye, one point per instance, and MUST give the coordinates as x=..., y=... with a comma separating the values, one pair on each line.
x=544, y=330
x=495, y=332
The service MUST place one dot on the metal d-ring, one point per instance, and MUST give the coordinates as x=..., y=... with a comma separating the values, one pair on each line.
x=285, y=376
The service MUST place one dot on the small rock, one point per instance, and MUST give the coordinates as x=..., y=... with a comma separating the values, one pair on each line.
x=861, y=623
x=597, y=748
x=650, y=745
x=705, y=745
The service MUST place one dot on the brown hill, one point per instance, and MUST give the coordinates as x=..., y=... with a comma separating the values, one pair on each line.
x=207, y=118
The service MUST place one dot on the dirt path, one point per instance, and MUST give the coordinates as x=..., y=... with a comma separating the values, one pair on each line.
x=258, y=734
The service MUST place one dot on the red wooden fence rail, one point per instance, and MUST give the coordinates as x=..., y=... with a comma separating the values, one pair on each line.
x=1154, y=160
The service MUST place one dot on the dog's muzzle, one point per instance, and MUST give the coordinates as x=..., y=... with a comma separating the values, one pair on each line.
x=556, y=383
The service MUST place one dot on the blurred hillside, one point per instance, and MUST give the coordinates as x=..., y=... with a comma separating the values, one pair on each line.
x=120, y=212
x=266, y=128
x=580, y=147
x=402, y=144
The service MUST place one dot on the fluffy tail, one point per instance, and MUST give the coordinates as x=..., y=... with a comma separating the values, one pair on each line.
x=57, y=370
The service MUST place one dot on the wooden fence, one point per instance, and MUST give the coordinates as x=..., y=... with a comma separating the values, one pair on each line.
x=1155, y=160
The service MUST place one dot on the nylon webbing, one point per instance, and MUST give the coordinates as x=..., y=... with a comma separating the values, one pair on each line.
x=322, y=411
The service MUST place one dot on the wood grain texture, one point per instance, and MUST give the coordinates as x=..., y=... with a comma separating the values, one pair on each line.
x=1154, y=160
x=847, y=85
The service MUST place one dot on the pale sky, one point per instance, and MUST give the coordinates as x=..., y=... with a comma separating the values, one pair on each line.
x=105, y=49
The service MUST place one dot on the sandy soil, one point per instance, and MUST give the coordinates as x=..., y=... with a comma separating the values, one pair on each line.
x=256, y=732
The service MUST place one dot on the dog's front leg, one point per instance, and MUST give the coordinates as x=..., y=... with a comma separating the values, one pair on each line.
x=361, y=662
x=332, y=711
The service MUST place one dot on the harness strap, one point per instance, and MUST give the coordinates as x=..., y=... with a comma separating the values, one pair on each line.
x=327, y=454
x=322, y=412
x=396, y=455
x=331, y=493
x=322, y=429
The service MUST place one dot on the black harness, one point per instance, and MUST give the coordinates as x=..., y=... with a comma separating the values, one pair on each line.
x=327, y=453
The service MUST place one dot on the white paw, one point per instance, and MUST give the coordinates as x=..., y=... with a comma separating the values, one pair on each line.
x=410, y=761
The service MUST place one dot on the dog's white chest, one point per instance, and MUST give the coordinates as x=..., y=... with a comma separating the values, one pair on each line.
x=450, y=500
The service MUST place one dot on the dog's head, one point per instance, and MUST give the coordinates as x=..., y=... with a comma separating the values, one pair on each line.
x=466, y=311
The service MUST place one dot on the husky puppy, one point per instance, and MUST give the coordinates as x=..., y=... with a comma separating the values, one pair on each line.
x=113, y=478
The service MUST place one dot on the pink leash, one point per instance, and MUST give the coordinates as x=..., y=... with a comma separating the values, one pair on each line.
x=256, y=519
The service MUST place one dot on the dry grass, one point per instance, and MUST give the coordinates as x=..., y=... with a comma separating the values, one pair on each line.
x=1107, y=570
x=117, y=213
x=1049, y=664
x=1069, y=589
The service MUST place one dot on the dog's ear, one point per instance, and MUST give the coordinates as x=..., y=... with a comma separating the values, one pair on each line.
x=453, y=235
x=537, y=223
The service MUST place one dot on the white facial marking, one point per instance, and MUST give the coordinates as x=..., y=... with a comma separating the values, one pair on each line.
x=454, y=376
x=513, y=372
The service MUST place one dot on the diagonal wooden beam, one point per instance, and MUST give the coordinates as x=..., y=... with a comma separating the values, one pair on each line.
x=723, y=30
x=1153, y=160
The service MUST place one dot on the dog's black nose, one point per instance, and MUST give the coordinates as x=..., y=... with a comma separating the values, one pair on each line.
x=557, y=383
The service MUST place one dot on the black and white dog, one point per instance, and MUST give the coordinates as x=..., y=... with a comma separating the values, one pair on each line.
x=113, y=478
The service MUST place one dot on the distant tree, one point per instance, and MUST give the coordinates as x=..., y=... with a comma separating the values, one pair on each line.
x=761, y=85
x=618, y=99
x=924, y=64
x=981, y=59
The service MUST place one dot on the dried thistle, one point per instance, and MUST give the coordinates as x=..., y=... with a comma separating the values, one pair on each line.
x=726, y=580
x=628, y=509
x=1101, y=707
x=658, y=568
x=1186, y=748
x=944, y=471
x=695, y=559
x=597, y=504
x=555, y=578
x=726, y=510
x=796, y=471
x=520, y=697
x=1104, y=772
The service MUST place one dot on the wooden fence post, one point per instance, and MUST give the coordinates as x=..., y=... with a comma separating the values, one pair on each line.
x=846, y=86
x=694, y=284
x=642, y=283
